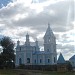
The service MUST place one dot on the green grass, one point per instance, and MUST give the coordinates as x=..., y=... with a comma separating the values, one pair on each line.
x=32, y=72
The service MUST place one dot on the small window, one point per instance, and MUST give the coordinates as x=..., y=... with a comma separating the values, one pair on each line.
x=40, y=60
x=35, y=61
x=28, y=60
x=20, y=48
x=48, y=60
x=49, y=40
x=48, y=50
x=20, y=61
x=54, y=60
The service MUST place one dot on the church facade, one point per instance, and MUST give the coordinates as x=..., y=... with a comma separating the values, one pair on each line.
x=29, y=54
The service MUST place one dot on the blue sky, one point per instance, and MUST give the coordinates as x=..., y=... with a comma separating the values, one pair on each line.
x=4, y=2
x=17, y=17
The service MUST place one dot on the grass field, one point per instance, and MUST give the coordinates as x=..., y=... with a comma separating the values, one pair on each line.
x=32, y=72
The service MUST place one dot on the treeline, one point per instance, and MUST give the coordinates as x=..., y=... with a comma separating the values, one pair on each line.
x=7, y=55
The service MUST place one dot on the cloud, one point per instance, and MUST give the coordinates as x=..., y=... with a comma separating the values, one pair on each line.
x=20, y=17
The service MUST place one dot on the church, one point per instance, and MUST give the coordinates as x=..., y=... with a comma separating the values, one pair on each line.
x=29, y=54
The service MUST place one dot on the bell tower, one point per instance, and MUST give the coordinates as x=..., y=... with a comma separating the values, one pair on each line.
x=49, y=40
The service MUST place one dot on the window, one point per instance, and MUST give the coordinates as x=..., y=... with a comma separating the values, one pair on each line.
x=48, y=50
x=20, y=61
x=20, y=48
x=35, y=61
x=54, y=60
x=49, y=40
x=48, y=60
x=28, y=60
x=40, y=60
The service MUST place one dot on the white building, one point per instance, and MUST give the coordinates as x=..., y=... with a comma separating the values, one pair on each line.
x=29, y=54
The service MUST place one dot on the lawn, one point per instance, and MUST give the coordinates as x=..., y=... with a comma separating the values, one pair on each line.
x=32, y=72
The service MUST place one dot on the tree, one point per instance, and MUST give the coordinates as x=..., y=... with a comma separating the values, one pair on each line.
x=1, y=61
x=8, y=50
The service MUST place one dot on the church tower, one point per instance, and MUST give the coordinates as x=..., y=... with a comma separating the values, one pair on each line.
x=49, y=41
x=50, y=45
x=27, y=43
x=36, y=45
x=18, y=43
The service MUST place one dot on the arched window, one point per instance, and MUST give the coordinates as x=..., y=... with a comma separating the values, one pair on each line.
x=40, y=60
x=20, y=61
x=35, y=61
x=28, y=60
x=48, y=60
x=49, y=40
x=20, y=48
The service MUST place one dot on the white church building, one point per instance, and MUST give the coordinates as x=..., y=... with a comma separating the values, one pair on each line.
x=29, y=54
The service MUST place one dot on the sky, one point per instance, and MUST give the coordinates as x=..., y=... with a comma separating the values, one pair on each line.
x=19, y=17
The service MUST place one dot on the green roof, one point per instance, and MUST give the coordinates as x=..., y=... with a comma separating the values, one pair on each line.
x=61, y=59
